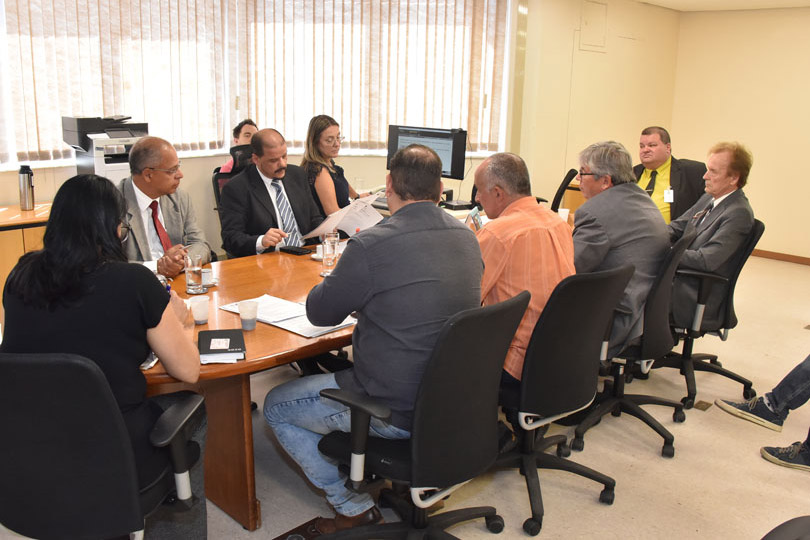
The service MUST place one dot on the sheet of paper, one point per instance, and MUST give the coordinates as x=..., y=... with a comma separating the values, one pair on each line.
x=358, y=215
x=271, y=308
x=288, y=315
x=302, y=326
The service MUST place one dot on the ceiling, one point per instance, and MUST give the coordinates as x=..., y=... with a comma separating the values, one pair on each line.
x=722, y=5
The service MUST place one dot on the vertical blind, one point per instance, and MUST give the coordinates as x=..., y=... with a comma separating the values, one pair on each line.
x=194, y=68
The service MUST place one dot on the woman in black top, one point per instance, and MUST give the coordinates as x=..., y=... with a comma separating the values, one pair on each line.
x=79, y=295
x=330, y=189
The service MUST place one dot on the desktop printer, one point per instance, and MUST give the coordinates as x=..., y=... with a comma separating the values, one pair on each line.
x=102, y=144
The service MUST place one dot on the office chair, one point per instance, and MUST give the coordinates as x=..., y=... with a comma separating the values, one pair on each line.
x=687, y=362
x=66, y=464
x=655, y=341
x=564, y=185
x=241, y=156
x=794, y=529
x=560, y=376
x=454, y=437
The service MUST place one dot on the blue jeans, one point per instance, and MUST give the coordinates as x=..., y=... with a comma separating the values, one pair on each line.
x=299, y=417
x=793, y=391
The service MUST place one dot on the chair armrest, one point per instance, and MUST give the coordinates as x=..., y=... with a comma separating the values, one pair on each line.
x=367, y=404
x=174, y=429
x=174, y=419
x=362, y=409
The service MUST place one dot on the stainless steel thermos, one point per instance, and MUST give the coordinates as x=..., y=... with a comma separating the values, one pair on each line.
x=26, y=188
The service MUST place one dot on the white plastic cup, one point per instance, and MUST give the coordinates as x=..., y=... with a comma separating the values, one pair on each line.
x=563, y=213
x=207, y=277
x=248, y=311
x=199, y=309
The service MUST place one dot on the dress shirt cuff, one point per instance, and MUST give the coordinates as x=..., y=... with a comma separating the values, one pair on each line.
x=260, y=247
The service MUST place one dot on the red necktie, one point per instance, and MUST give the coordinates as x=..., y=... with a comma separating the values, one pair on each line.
x=164, y=238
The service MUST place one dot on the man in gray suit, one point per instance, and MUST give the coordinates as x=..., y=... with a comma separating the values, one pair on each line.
x=160, y=216
x=618, y=224
x=723, y=220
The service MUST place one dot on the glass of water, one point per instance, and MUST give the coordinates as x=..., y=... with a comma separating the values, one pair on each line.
x=330, y=252
x=194, y=283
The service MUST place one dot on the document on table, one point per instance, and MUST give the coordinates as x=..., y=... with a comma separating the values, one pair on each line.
x=290, y=316
x=358, y=215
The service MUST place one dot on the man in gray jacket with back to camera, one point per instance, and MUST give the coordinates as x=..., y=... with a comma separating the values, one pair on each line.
x=403, y=278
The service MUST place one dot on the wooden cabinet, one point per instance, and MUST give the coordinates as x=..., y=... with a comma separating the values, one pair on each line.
x=20, y=232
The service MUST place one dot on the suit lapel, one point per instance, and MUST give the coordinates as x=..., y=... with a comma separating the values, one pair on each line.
x=259, y=192
x=171, y=218
x=675, y=175
x=137, y=232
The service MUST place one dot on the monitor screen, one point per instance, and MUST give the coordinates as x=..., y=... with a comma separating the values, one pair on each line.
x=449, y=144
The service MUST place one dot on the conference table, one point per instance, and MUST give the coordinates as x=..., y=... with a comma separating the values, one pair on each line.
x=229, y=469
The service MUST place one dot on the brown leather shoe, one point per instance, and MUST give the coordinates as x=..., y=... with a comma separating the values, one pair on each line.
x=341, y=522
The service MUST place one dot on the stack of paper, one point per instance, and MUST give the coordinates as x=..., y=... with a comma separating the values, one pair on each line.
x=290, y=316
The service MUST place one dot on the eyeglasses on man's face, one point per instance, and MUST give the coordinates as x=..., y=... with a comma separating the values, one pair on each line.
x=583, y=173
x=171, y=171
x=334, y=140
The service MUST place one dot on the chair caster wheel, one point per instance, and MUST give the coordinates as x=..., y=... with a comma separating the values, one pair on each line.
x=668, y=450
x=679, y=416
x=532, y=526
x=577, y=444
x=607, y=496
x=749, y=392
x=494, y=523
x=563, y=450
x=688, y=402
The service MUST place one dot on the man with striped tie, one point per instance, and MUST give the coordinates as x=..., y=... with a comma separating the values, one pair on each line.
x=269, y=204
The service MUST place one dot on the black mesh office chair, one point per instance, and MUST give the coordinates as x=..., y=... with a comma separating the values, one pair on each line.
x=241, y=156
x=560, y=376
x=454, y=435
x=654, y=342
x=564, y=186
x=687, y=362
x=66, y=464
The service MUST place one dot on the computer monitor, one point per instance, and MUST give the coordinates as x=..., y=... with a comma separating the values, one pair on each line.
x=449, y=144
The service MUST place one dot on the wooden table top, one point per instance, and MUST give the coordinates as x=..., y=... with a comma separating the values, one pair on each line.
x=278, y=274
x=11, y=217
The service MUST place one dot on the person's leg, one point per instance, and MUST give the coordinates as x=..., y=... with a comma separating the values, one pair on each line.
x=772, y=409
x=299, y=418
x=793, y=391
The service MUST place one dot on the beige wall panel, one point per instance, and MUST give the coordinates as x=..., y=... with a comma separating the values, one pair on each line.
x=576, y=95
x=745, y=76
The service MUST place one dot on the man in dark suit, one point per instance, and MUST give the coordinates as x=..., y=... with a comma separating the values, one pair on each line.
x=673, y=184
x=269, y=204
x=723, y=220
x=618, y=225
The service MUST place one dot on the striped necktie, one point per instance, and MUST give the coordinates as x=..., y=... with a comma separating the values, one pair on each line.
x=288, y=224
